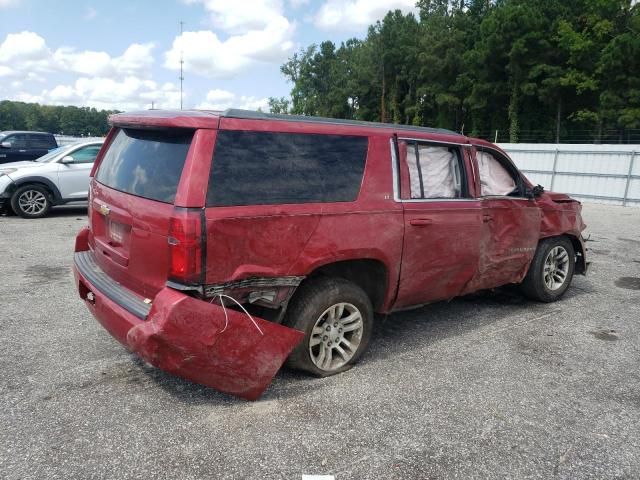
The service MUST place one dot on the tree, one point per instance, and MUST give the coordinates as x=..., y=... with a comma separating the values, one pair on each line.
x=55, y=119
x=536, y=70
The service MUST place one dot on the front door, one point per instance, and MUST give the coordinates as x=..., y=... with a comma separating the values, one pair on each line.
x=18, y=149
x=443, y=224
x=511, y=222
x=73, y=178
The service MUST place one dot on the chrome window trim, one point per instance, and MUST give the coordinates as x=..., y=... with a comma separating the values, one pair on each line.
x=394, y=170
x=422, y=200
x=442, y=142
x=503, y=154
x=396, y=176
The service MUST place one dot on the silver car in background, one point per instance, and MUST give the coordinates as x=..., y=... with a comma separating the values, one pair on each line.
x=31, y=188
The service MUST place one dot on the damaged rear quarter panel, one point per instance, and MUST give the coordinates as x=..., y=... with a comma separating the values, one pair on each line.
x=294, y=239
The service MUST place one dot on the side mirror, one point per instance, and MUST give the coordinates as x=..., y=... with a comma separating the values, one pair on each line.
x=5, y=144
x=66, y=159
x=535, y=192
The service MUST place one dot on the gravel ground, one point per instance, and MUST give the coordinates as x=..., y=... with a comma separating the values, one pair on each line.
x=486, y=386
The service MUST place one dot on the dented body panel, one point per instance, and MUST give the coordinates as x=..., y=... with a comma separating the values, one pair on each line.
x=413, y=251
x=202, y=342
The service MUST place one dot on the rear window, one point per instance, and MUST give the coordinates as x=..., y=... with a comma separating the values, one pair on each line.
x=265, y=168
x=146, y=163
x=42, y=141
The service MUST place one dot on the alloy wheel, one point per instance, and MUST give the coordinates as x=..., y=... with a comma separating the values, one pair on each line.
x=336, y=336
x=32, y=202
x=556, y=268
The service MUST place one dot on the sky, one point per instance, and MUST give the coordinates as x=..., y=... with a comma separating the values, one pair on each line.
x=125, y=55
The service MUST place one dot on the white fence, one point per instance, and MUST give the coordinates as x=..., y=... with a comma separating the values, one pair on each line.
x=68, y=139
x=597, y=173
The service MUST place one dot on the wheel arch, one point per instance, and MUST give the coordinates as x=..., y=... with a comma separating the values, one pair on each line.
x=56, y=197
x=370, y=274
x=579, y=249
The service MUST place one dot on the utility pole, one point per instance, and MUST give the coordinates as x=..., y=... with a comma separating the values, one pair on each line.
x=181, y=62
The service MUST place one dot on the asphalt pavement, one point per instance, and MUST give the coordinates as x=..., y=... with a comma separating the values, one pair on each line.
x=486, y=386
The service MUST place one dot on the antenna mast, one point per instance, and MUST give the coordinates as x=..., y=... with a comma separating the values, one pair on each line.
x=181, y=62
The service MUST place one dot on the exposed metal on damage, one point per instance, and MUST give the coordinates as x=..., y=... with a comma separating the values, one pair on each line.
x=252, y=283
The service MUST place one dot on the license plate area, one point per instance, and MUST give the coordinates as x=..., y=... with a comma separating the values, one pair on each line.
x=118, y=233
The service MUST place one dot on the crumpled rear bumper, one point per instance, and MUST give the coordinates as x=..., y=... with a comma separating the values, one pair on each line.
x=192, y=338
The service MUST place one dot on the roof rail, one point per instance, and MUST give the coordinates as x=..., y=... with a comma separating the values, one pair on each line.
x=252, y=115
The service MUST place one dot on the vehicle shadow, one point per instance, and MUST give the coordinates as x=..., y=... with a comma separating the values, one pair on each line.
x=58, y=211
x=68, y=211
x=393, y=335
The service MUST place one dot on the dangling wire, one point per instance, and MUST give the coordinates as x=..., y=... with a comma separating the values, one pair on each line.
x=226, y=317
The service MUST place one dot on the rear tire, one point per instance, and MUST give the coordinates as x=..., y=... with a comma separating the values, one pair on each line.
x=551, y=270
x=336, y=317
x=31, y=201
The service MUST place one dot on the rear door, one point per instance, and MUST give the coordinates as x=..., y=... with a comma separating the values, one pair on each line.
x=73, y=178
x=132, y=201
x=39, y=145
x=443, y=223
x=511, y=227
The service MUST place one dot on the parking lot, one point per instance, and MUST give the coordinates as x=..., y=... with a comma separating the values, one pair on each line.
x=486, y=386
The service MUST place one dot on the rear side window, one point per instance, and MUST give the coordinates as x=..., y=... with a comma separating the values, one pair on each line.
x=265, y=168
x=146, y=163
x=42, y=141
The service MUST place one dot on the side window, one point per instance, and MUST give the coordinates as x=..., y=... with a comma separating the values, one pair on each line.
x=434, y=171
x=40, y=141
x=266, y=168
x=18, y=140
x=495, y=179
x=86, y=154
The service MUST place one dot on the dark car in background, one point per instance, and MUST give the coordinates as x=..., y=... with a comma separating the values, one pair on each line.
x=16, y=146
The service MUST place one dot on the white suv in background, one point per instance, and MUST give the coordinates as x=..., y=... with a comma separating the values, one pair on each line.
x=61, y=176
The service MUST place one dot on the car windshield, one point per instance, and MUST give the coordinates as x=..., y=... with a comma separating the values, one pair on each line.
x=2, y=136
x=53, y=154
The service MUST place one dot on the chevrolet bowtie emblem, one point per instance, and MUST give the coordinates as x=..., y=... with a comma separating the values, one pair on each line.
x=104, y=210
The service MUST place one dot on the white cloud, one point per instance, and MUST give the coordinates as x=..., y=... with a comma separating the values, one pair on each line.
x=9, y=3
x=357, y=14
x=206, y=54
x=137, y=59
x=90, y=13
x=27, y=52
x=131, y=93
x=257, y=31
x=298, y=3
x=18, y=48
x=238, y=16
x=218, y=99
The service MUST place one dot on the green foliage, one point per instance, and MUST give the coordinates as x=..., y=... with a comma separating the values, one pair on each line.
x=279, y=105
x=552, y=67
x=77, y=121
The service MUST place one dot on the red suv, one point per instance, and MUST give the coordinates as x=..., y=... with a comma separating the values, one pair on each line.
x=220, y=245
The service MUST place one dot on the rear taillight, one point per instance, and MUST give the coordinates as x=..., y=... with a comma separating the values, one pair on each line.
x=185, y=246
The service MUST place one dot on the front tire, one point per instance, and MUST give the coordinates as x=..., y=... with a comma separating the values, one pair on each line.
x=551, y=270
x=31, y=201
x=336, y=317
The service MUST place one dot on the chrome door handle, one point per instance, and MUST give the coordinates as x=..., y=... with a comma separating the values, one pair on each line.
x=487, y=218
x=420, y=222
